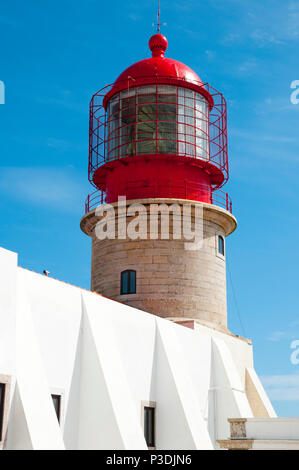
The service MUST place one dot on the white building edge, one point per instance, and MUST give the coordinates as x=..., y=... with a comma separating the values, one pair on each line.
x=107, y=361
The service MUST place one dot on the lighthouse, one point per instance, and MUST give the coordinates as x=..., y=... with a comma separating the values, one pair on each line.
x=158, y=136
x=120, y=370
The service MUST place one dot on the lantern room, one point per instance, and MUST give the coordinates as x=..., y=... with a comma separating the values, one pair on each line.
x=158, y=132
x=157, y=120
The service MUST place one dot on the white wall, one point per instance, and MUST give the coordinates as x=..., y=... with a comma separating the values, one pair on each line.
x=8, y=274
x=106, y=358
x=272, y=428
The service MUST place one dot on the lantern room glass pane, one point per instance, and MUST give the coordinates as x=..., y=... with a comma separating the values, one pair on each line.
x=157, y=119
x=146, y=90
x=146, y=112
x=146, y=138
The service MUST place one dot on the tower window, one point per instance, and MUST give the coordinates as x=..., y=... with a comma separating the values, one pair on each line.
x=128, y=282
x=57, y=405
x=220, y=245
x=2, y=401
x=149, y=426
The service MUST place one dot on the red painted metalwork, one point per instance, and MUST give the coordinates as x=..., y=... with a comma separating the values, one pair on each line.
x=160, y=126
x=156, y=177
x=158, y=45
x=218, y=197
x=94, y=199
x=158, y=69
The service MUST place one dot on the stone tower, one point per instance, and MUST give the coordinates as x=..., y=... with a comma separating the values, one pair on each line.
x=158, y=143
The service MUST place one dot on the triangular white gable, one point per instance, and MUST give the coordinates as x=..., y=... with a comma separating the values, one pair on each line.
x=34, y=392
x=180, y=423
x=108, y=416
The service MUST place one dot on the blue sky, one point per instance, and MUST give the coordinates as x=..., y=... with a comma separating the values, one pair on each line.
x=56, y=54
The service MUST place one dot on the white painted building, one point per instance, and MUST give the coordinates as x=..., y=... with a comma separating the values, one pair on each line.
x=79, y=370
x=107, y=361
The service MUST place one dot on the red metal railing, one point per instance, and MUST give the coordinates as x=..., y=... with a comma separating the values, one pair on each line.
x=217, y=197
x=214, y=141
x=94, y=200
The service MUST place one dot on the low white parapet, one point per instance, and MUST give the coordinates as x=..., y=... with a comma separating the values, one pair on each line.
x=262, y=434
x=272, y=428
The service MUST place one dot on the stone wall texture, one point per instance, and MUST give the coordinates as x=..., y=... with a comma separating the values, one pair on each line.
x=172, y=282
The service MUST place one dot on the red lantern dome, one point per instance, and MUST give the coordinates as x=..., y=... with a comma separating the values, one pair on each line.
x=160, y=68
x=158, y=132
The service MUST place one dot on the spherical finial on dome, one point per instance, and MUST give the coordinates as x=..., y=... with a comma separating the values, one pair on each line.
x=158, y=45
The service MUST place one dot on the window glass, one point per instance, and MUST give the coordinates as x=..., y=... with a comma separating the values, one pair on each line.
x=149, y=426
x=113, y=128
x=57, y=402
x=125, y=282
x=128, y=110
x=221, y=245
x=132, y=282
x=146, y=112
x=2, y=401
x=128, y=282
x=147, y=98
x=146, y=90
x=166, y=94
x=127, y=92
x=146, y=138
x=157, y=119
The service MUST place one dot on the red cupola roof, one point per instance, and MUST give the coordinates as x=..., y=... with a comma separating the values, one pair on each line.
x=158, y=70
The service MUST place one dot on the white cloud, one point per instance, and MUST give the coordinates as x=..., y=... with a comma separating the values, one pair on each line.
x=61, y=189
x=8, y=21
x=263, y=37
x=65, y=101
x=274, y=381
x=284, y=394
x=290, y=332
x=277, y=105
x=267, y=24
x=277, y=336
x=248, y=66
x=134, y=17
x=210, y=54
x=64, y=145
x=282, y=387
x=231, y=38
x=254, y=136
x=293, y=20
